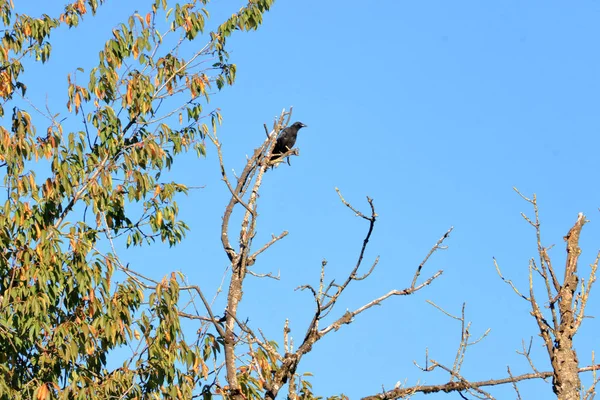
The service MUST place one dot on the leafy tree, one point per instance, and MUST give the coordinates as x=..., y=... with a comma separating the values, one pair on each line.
x=70, y=193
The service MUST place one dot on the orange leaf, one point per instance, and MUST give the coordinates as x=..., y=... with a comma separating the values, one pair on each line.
x=80, y=6
x=42, y=393
x=148, y=18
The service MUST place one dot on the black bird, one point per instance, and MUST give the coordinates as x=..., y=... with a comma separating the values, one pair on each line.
x=286, y=140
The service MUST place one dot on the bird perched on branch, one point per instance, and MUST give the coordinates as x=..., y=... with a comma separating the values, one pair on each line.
x=286, y=140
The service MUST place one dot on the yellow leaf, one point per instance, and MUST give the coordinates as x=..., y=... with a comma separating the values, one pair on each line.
x=139, y=17
x=157, y=191
x=204, y=370
x=128, y=96
x=77, y=102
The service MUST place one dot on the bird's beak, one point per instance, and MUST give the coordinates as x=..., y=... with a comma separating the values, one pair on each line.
x=304, y=126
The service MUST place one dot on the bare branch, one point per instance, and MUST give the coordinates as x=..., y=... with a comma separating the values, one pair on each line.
x=566, y=381
x=508, y=281
x=352, y=276
x=287, y=345
x=215, y=322
x=366, y=275
x=514, y=384
x=464, y=385
x=591, y=392
x=268, y=244
x=437, y=246
x=248, y=184
x=349, y=315
x=356, y=212
x=586, y=291
x=444, y=311
x=526, y=353
x=267, y=275
x=464, y=343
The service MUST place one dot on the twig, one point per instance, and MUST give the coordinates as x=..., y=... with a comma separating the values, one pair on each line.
x=437, y=246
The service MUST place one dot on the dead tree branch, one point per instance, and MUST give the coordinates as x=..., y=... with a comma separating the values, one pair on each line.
x=461, y=386
x=558, y=323
x=244, y=193
x=566, y=302
x=325, y=302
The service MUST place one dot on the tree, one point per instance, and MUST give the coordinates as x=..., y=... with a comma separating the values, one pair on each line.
x=71, y=195
x=74, y=196
x=269, y=369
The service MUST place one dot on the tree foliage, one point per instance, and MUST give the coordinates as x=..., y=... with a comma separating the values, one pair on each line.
x=71, y=194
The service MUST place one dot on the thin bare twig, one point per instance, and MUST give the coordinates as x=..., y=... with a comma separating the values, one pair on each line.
x=436, y=246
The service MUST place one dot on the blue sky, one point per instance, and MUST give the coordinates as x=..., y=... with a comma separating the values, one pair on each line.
x=435, y=109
